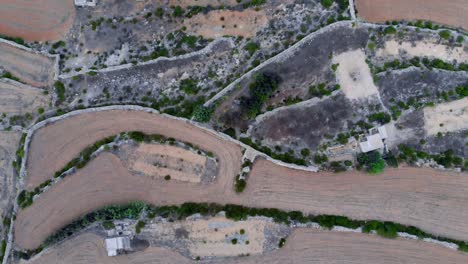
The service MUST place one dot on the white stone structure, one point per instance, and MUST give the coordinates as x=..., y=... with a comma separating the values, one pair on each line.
x=115, y=245
x=85, y=2
x=375, y=140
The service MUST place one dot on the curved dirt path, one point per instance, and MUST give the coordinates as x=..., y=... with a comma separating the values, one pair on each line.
x=432, y=200
x=449, y=12
x=303, y=246
x=37, y=20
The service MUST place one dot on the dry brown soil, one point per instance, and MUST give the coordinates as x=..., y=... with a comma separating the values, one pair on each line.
x=303, y=246
x=446, y=117
x=37, y=20
x=19, y=99
x=432, y=200
x=220, y=23
x=449, y=12
x=30, y=68
x=64, y=140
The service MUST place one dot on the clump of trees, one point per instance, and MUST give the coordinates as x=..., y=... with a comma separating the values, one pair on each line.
x=260, y=90
x=372, y=161
x=202, y=114
x=240, y=184
x=60, y=91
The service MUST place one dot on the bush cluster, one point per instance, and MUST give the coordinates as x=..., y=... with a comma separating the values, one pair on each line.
x=372, y=161
x=260, y=90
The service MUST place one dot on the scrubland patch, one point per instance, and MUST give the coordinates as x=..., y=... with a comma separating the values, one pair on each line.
x=446, y=117
x=353, y=75
x=424, y=49
x=225, y=22
x=8, y=143
x=186, y=3
x=19, y=99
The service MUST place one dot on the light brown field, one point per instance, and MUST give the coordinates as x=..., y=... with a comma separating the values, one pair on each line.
x=31, y=68
x=220, y=23
x=9, y=141
x=432, y=200
x=446, y=117
x=156, y=160
x=19, y=99
x=55, y=140
x=214, y=3
x=303, y=246
x=449, y=12
x=37, y=20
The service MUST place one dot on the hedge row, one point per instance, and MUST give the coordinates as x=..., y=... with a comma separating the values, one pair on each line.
x=237, y=212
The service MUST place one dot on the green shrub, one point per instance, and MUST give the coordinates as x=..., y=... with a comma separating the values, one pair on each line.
x=202, y=114
x=178, y=11
x=167, y=177
x=234, y=241
x=282, y=242
x=240, y=185
x=327, y=3
x=139, y=226
x=390, y=30
x=445, y=34
x=380, y=117
x=319, y=159
x=108, y=225
x=305, y=152
x=189, y=86
x=259, y=91
x=60, y=91
x=251, y=47
x=372, y=161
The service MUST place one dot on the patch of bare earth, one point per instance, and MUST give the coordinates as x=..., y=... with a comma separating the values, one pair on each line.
x=424, y=49
x=353, y=75
x=18, y=99
x=303, y=246
x=31, y=68
x=213, y=237
x=220, y=23
x=37, y=20
x=446, y=117
x=451, y=12
x=156, y=160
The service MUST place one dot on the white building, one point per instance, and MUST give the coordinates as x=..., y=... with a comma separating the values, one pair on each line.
x=85, y=2
x=115, y=245
x=375, y=140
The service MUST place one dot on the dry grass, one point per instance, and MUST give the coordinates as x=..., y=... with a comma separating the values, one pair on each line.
x=424, y=49
x=214, y=3
x=37, y=20
x=451, y=12
x=19, y=99
x=160, y=160
x=219, y=23
x=30, y=68
x=446, y=117
x=353, y=75
x=303, y=246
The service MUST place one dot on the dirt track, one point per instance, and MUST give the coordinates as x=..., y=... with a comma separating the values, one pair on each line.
x=303, y=246
x=450, y=12
x=431, y=200
x=37, y=20
x=30, y=68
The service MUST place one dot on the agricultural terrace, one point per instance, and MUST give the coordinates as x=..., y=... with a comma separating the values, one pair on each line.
x=37, y=20
x=26, y=66
x=409, y=196
x=450, y=12
x=303, y=246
